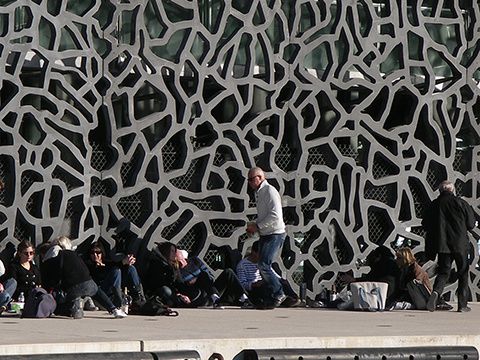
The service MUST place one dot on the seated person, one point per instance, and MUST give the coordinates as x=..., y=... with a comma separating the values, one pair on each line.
x=113, y=276
x=24, y=270
x=383, y=268
x=7, y=289
x=182, y=282
x=65, y=270
x=159, y=275
x=193, y=273
x=249, y=276
x=410, y=270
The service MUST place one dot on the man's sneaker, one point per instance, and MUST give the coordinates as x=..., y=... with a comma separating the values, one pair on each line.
x=432, y=301
x=402, y=305
x=118, y=314
x=77, y=309
x=2, y=309
x=443, y=306
x=78, y=314
x=279, y=300
x=291, y=301
x=89, y=305
x=464, y=309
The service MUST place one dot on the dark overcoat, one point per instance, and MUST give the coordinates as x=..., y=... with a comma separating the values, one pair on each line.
x=446, y=221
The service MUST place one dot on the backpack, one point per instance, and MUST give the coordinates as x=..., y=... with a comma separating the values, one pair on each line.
x=39, y=304
x=153, y=306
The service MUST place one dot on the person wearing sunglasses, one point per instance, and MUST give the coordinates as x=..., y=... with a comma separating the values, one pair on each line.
x=24, y=270
x=113, y=276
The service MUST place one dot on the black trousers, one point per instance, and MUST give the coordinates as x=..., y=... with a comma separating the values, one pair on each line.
x=229, y=287
x=444, y=263
x=226, y=286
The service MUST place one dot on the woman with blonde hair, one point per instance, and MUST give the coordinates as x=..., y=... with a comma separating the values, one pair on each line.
x=415, y=286
x=410, y=269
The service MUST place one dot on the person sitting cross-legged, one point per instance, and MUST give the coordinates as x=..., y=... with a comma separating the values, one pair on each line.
x=251, y=279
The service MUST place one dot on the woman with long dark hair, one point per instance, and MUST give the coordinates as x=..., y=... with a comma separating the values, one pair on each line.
x=24, y=270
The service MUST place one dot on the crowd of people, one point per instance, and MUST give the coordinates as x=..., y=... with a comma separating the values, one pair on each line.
x=100, y=278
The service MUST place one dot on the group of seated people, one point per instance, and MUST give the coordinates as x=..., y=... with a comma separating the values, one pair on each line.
x=96, y=279
x=399, y=271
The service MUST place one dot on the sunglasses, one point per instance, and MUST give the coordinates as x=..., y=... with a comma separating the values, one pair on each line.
x=28, y=253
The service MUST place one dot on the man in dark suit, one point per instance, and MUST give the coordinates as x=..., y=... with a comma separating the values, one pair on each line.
x=446, y=221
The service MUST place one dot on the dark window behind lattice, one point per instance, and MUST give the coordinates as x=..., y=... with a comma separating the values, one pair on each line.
x=315, y=157
x=379, y=225
x=99, y=158
x=136, y=207
x=284, y=157
x=386, y=194
x=383, y=167
x=420, y=198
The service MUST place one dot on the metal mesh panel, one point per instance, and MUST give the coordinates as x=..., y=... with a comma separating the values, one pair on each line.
x=130, y=207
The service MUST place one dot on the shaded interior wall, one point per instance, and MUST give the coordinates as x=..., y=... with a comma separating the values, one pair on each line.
x=155, y=110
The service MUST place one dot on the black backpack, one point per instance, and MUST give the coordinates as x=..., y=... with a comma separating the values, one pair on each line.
x=153, y=306
x=39, y=304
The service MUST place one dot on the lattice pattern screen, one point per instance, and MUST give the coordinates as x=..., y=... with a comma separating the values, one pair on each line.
x=154, y=110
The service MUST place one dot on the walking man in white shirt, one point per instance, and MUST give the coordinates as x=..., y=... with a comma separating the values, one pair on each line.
x=271, y=228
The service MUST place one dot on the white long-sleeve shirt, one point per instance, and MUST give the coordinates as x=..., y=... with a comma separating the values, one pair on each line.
x=269, y=210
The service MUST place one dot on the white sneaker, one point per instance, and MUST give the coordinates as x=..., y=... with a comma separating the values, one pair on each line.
x=88, y=304
x=118, y=314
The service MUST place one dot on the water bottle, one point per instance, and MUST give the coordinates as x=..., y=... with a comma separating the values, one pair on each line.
x=126, y=301
x=20, y=303
x=333, y=293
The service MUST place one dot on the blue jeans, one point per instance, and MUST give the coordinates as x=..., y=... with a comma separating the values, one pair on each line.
x=10, y=285
x=117, y=278
x=87, y=288
x=269, y=246
x=130, y=277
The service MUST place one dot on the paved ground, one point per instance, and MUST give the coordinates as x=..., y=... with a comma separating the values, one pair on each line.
x=231, y=330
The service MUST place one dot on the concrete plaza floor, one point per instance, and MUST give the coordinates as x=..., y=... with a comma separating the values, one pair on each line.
x=231, y=330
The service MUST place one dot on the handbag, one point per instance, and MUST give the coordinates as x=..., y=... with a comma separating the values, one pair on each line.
x=39, y=304
x=419, y=294
x=369, y=295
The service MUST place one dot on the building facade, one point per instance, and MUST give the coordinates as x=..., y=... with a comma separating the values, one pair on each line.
x=154, y=111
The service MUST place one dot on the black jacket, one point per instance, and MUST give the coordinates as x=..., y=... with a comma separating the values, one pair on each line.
x=159, y=273
x=26, y=279
x=446, y=221
x=64, y=271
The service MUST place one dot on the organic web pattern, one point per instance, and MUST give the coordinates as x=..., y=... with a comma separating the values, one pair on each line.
x=154, y=110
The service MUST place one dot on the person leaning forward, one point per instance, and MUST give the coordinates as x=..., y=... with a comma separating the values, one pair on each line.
x=446, y=221
x=270, y=226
